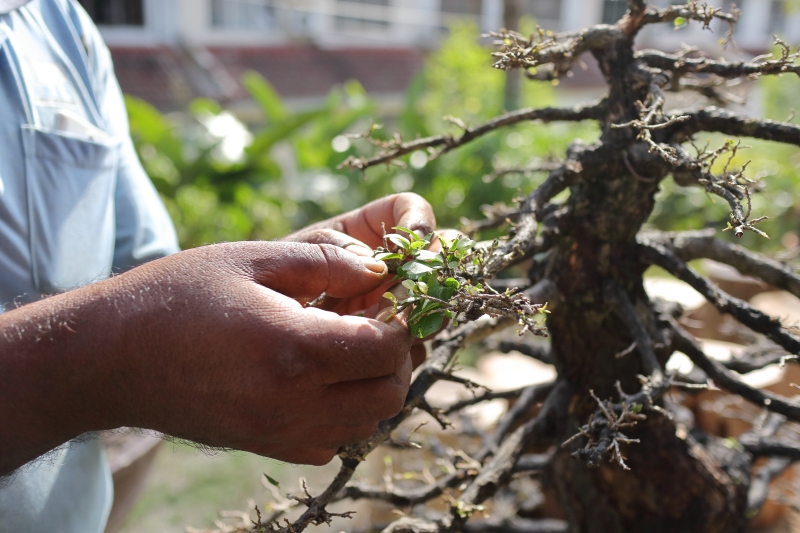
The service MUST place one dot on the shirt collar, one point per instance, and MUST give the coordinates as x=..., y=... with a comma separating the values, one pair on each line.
x=8, y=5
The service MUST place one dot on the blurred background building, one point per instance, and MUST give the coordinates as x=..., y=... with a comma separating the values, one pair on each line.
x=170, y=51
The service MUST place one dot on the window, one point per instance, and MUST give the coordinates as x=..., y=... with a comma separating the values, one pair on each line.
x=115, y=12
x=613, y=10
x=242, y=14
x=349, y=16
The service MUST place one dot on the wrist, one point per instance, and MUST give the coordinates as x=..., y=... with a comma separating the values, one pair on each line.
x=56, y=357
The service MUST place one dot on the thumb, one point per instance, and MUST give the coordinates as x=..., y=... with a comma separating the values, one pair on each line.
x=300, y=270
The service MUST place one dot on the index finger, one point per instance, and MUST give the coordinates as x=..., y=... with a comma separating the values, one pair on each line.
x=408, y=210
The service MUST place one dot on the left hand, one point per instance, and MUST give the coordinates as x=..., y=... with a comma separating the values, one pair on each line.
x=361, y=231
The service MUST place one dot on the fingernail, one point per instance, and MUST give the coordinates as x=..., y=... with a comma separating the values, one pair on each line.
x=359, y=249
x=373, y=265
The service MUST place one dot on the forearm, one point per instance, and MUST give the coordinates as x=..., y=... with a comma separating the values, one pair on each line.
x=54, y=372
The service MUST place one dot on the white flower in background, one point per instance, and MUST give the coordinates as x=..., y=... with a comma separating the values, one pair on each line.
x=232, y=135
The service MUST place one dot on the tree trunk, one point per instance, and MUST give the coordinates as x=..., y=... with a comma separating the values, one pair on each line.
x=674, y=483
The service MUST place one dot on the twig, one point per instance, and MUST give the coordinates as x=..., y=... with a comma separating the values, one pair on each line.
x=727, y=122
x=396, y=148
x=726, y=379
x=702, y=244
x=741, y=311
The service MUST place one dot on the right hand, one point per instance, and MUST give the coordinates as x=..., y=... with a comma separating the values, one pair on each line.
x=211, y=345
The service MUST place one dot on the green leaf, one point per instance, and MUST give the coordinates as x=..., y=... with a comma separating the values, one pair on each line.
x=411, y=235
x=414, y=270
x=442, y=292
x=402, y=242
x=427, y=325
x=465, y=243
x=266, y=96
x=281, y=131
x=679, y=21
x=388, y=256
x=427, y=255
x=272, y=481
x=445, y=243
x=409, y=284
x=391, y=297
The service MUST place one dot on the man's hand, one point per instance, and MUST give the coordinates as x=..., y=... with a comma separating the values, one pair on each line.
x=210, y=345
x=360, y=231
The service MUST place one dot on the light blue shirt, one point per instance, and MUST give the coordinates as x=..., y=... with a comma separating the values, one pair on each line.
x=75, y=206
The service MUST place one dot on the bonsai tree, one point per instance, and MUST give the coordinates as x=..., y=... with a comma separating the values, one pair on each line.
x=605, y=438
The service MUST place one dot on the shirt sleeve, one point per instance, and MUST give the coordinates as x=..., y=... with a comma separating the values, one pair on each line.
x=144, y=230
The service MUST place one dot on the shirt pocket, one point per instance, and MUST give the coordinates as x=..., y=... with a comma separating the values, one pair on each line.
x=70, y=192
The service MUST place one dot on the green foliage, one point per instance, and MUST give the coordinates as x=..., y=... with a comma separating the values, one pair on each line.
x=221, y=182
x=448, y=284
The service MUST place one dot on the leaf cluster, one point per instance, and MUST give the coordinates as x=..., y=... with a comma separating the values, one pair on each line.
x=449, y=283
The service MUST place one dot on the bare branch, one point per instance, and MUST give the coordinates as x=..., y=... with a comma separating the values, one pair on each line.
x=537, y=351
x=757, y=358
x=579, y=162
x=726, y=379
x=502, y=284
x=702, y=244
x=723, y=121
x=720, y=67
x=691, y=11
x=498, y=470
x=530, y=397
x=397, y=148
x=527, y=170
x=741, y=311
x=403, y=498
x=541, y=392
x=478, y=331
x=730, y=186
x=771, y=446
x=533, y=462
x=758, y=492
x=627, y=313
x=603, y=431
x=547, y=56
